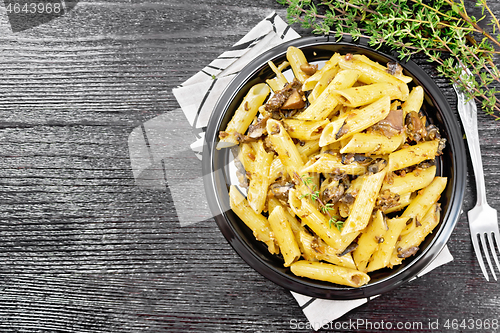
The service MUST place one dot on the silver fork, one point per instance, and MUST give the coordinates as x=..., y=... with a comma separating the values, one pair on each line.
x=483, y=221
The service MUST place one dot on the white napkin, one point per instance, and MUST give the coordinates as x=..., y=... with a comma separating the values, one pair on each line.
x=198, y=95
x=321, y=312
x=154, y=159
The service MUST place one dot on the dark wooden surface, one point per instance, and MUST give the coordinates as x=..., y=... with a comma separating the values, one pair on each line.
x=82, y=249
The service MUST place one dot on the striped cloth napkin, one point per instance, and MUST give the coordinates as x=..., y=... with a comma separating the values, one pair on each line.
x=158, y=163
x=210, y=82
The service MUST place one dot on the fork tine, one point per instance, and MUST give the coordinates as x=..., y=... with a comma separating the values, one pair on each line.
x=492, y=252
x=494, y=245
x=484, y=238
x=477, y=250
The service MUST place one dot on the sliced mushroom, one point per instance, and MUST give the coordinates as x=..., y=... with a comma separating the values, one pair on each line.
x=394, y=68
x=309, y=69
x=348, y=198
x=353, y=246
x=275, y=103
x=415, y=129
x=408, y=252
x=333, y=194
x=432, y=133
x=393, y=124
x=280, y=191
x=441, y=146
x=344, y=129
x=387, y=200
x=295, y=101
x=275, y=129
x=377, y=166
x=258, y=129
x=359, y=158
x=241, y=138
x=425, y=164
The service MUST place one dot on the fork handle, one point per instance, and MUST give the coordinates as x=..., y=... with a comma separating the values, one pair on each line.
x=475, y=154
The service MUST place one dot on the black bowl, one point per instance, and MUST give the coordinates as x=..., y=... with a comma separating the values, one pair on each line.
x=217, y=174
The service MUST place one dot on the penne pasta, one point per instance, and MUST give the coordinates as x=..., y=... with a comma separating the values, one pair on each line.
x=404, y=201
x=314, y=219
x=346, y=241
x=295, y=225
x=326, y=102
x=276, y=170
x=285, y=238
x=280, y=80
x=246, y=156
x=412, y=155
x=296, y=58
x=372, y=143
x=409, y=243
x=304, y=130
x=381, y=258
x=364, y=203
x=259, y=178
x=365, y=59
x=333, y=148
x=329, y=163
x=324, y=75
x=330, y=273
x=423, y=202
x=369, y=241
x=328, y=156
x=355, y=121
x=371, y=75
x=321, y=85
x=256, y=222
x=244, y=115
x=319, y=250
x=284, y=146
x=308, y=147
x=411, y=181
x=414, y=100
x=358, y=96
x=303, y=238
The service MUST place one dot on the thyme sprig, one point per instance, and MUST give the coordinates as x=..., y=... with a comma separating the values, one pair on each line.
x=309, y=183
x=314, y=195
x=443, y=30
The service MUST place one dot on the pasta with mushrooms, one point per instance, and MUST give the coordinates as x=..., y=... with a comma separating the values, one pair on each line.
x=340, y=174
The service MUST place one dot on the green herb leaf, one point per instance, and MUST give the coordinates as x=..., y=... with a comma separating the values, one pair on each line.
x=335, y=222
x=441, y=30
